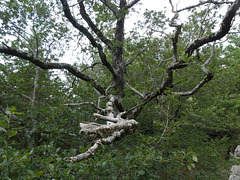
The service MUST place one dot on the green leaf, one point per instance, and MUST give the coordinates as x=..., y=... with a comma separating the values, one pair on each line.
x=193, y=165
x=12, y=133
x=3, y=129
x=3, y=123
x=13, y=109
x=7, y=111
x=1, y=139
x=141, y=172
x=194, y=158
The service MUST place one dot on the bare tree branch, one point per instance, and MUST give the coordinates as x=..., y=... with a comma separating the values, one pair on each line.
x=44, y=65
x=170, y=1
x=198, y=86
x=211, y=56
x=88, y=35
x=115, y=129
x=201, y=23
x=134, y=90
x=24, y=95
x=93, y=26
x=205, y=80
x=88, y=67
x=85, y=103
x=173, y=23
x=164, y=60
x=203, y=3
x=166, y=125
x=108, y=88
x=106, y=118
x=167, y=82
x=110, y=6
x=224, y=29
x=131, y=4
x=91, y=151
x=133, y=59
x=103, y=130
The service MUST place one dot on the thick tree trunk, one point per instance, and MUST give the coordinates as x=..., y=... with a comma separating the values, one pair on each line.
x=118, y=52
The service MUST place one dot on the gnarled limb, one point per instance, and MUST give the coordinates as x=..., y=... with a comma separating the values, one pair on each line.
x=91, y=151
x=104, y=130
x=168, y=80
x=198, y=86
x=224, y=29
x=106, y=133
x=93, y=26
x=92, y=66
x=178, y=27
x=14, y=52
x=90, y=37
x=205, y=80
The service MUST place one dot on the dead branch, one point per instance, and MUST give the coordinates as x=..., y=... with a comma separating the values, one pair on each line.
x=134, y=90
x=91, y=151
x=106, y=118
x=211, y=56
x=205, y=80
x=104, y=130
x=106, y=133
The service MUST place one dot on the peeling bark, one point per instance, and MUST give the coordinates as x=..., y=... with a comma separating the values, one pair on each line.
x=106, y=133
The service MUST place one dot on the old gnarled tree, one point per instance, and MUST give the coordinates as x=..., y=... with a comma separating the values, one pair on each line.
x=110, y=48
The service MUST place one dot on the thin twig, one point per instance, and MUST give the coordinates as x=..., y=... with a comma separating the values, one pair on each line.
x=166, y=125
x=85, y=103
x=203, y=3
x=134, y=90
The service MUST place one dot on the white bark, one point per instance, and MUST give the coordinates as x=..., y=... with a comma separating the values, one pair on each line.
x=115, y=129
